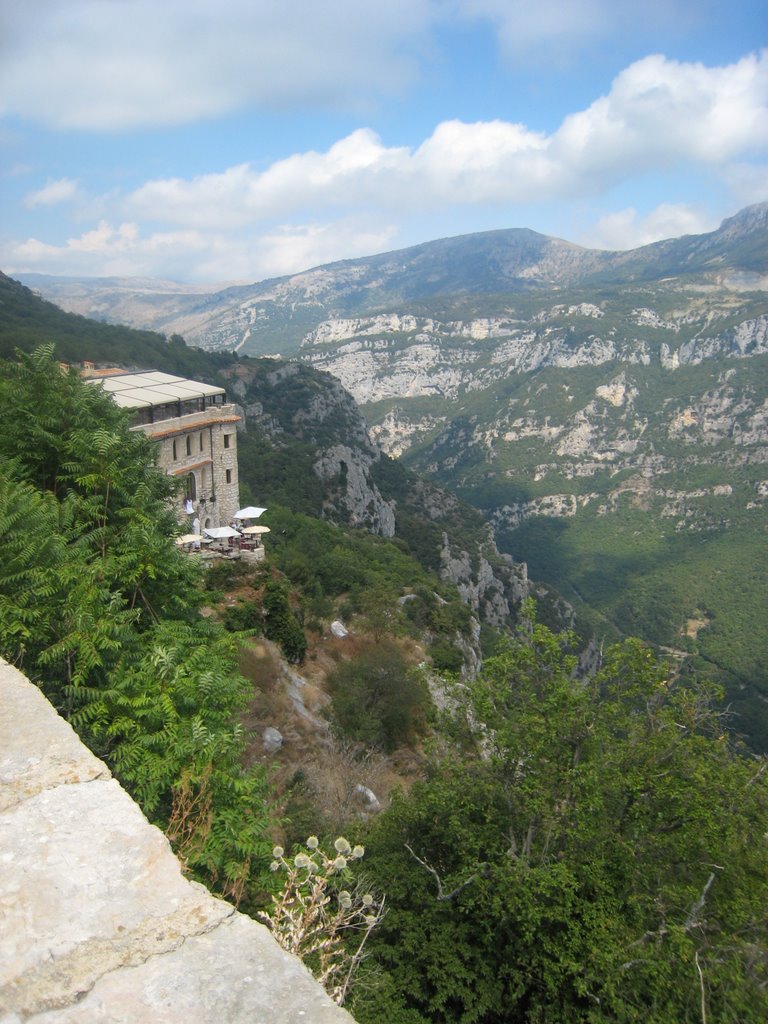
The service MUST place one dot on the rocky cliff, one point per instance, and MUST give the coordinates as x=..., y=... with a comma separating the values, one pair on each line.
x=307, y=446
x=629, y=470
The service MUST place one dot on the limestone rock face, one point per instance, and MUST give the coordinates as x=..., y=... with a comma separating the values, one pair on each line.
x=99, y=924
x=488, y=592
x=428, y=358
x=357, y=494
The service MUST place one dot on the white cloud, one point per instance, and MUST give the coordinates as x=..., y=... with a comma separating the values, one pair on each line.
x=107, y=250
x=626, y=229
x=112, y=65
x=354, y=170
x=62, y=191
x=352, y=198
x=206, y=256
x=301, y=247
x=659, y=113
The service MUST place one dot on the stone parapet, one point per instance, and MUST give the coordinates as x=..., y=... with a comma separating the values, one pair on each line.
x=98, y=922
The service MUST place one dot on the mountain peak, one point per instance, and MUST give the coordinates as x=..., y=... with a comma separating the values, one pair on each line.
x=751, y=218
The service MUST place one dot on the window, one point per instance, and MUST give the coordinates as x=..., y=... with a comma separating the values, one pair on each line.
x=226, y=440
x=229, y=476
x=175, y=453
x=201, y=440
x=189, y=445
x=191, y=487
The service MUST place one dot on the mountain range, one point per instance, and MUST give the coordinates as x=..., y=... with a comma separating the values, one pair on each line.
x=448, y=277
x=606, y=413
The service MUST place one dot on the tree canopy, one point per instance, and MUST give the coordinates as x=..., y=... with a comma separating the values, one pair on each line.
x=596, y=852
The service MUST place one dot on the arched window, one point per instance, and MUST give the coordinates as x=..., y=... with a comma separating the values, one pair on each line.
x=191, y=487
x=189, y=445
x=201, y=440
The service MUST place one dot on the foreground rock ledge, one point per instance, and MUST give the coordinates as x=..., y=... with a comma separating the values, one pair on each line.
x=98, y=923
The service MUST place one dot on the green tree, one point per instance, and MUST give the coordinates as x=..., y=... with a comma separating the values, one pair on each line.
x=98, y=607
x=167, y=718
x=595, y=858
x=378, y=699
x=281, y=623
x=381, y=612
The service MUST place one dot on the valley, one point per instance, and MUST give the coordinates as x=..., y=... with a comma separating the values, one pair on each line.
x=606, y=414
x=426, y=659
x=630, y=473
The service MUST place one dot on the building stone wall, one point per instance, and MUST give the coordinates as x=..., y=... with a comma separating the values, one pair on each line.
x=202, y=446
x=99, y=925
x=225, y=478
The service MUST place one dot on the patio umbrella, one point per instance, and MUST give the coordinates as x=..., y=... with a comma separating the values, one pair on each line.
x=220, y=532
x=190, y=538
x=256, y=529
x=250, y=512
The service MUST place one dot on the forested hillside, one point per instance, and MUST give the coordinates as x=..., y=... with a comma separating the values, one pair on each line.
x=585, y=842
x=640, y=493
x=304, y=445
x=584, y=851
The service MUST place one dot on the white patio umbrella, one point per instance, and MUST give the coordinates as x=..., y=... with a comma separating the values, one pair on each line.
x=256, y=529
x=190, y=538
x=250, y=512
x=220, y=532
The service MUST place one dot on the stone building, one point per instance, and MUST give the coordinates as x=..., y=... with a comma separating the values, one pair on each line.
x=195, y=428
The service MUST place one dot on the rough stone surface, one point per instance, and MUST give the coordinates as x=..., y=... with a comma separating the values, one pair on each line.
x=99, y=924
x=272, y=739
x=37, y=748
x=359, y=496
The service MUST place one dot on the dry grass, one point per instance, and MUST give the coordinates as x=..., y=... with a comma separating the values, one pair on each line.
x=333, y=774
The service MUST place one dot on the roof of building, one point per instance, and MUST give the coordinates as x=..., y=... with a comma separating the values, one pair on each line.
x=151, y=387
x=167, y=428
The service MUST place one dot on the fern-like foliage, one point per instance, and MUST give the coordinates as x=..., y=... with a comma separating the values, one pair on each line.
x=99, y=608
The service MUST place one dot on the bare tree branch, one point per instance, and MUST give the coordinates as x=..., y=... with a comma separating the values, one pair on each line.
x=701, y=983
x=441, y=894
x=692, y=921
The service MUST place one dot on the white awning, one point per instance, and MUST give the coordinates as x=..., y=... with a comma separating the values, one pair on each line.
x=134, y=390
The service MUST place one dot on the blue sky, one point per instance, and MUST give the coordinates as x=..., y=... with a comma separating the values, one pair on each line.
x=243, y=139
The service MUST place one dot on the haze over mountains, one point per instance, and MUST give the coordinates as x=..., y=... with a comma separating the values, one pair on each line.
x=275, y=316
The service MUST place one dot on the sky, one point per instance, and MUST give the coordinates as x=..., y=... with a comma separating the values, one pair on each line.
x=235, y=140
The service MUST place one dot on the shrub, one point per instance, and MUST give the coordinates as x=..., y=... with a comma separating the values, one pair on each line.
x=281, y=623
x=377, y=699
x=446, y=657
x=245, y=615
x=224, y=574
